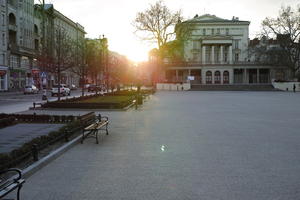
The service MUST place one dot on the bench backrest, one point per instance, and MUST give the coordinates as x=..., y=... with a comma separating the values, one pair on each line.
x=88, y=118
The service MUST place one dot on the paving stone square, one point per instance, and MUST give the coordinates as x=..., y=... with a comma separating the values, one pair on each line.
x=185, y=145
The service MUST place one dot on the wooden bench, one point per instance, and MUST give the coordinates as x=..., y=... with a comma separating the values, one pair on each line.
x=11, y=184
x=98, y=123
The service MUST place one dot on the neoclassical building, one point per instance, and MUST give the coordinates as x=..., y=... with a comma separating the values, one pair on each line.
x=216, y=52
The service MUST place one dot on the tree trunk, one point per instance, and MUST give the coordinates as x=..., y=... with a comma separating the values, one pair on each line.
x=82, y=87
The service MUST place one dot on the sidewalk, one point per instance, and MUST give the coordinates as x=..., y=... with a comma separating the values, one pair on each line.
x=184, y=145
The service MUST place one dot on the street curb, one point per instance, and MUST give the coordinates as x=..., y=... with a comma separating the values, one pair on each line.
x=27, y=172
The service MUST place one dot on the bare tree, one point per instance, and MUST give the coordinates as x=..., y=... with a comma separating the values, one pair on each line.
x=157, y=23
x=57, y=57
x=80, y=68
x=286, y=27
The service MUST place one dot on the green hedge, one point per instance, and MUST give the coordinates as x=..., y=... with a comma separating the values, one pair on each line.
x=4, y=122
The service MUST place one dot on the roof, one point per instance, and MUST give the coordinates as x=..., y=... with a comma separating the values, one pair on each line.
x=207, y=18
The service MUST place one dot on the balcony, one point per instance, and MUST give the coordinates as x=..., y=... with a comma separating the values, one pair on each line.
x=13, y=47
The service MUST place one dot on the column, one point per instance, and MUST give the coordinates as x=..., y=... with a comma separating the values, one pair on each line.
x=221, y=54
x=203, y=73
x=230, y=54
x=203, y=54
x=231, y=76
x=257, y=74
x=245, y=80
x=212, y=55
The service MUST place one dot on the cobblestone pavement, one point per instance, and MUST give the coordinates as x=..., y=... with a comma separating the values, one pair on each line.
x=185, y=145
x=15, y=136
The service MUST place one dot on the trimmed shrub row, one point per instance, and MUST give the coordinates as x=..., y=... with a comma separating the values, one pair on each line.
x=4, y=122
x=18, y=118
x=16, y=156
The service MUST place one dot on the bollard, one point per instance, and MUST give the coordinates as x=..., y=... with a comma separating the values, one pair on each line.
x=35, y=152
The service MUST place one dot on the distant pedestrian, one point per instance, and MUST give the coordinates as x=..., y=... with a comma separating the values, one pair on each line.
x=294, y=87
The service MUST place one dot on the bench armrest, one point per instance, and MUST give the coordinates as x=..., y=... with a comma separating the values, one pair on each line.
x=19, y=172
x=100, y=118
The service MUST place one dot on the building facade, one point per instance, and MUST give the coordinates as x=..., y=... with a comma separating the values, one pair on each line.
x=216, y=52
x=48, y=21
x=20, y=48
x=4, y=73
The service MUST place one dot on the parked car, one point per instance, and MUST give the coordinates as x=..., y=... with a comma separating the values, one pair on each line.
x=31, y=89
x=73, y=87
x=94, y=88
x=64, y=90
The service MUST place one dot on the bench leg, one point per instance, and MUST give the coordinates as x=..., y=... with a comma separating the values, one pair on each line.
x=82, y=138
x=96, y=134
x=18, y=193
x=106, y=129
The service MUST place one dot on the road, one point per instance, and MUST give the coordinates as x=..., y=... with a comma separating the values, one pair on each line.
x=11, y=102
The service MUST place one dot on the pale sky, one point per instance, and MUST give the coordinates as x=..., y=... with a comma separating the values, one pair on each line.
x=113, y=18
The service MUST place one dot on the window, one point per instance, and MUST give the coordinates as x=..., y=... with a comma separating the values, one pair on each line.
x=195, y=44
x=2, y=59
x=3, y=39
x=236, y=44
x=204, y=31
x=236, y=57
x=2, y=80
x=217, y=77
x=212, y=31
x=226, y=77
x=14, y=61
x=208, y=77
x=195, y=57
x=218, y=31
x=3, y=20
x=227, y=31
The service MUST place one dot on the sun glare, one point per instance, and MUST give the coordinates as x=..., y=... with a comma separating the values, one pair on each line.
x=137, y=55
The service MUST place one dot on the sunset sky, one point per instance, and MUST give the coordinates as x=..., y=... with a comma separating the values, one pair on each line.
x=113, y=18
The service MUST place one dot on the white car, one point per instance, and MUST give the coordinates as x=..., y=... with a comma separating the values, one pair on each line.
x=64, y=90
x=31, y=89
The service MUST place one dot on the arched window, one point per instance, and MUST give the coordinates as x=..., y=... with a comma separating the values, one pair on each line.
x=12, y=19
x=217, y=77
x=226, y=77
x=208, y=77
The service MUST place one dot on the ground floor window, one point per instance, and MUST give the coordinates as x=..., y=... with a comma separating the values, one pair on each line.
x=208, y=77
x=238, y=75
x=217, y=77
x=226, y=77
x=264, y=76
x=280, y=75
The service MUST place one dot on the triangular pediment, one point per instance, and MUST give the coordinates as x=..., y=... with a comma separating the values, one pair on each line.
x=207, y=17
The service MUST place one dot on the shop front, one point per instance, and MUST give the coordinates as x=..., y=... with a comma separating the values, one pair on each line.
x=3, y=79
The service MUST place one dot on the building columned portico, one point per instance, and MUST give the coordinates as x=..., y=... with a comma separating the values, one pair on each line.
x=217, y=52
